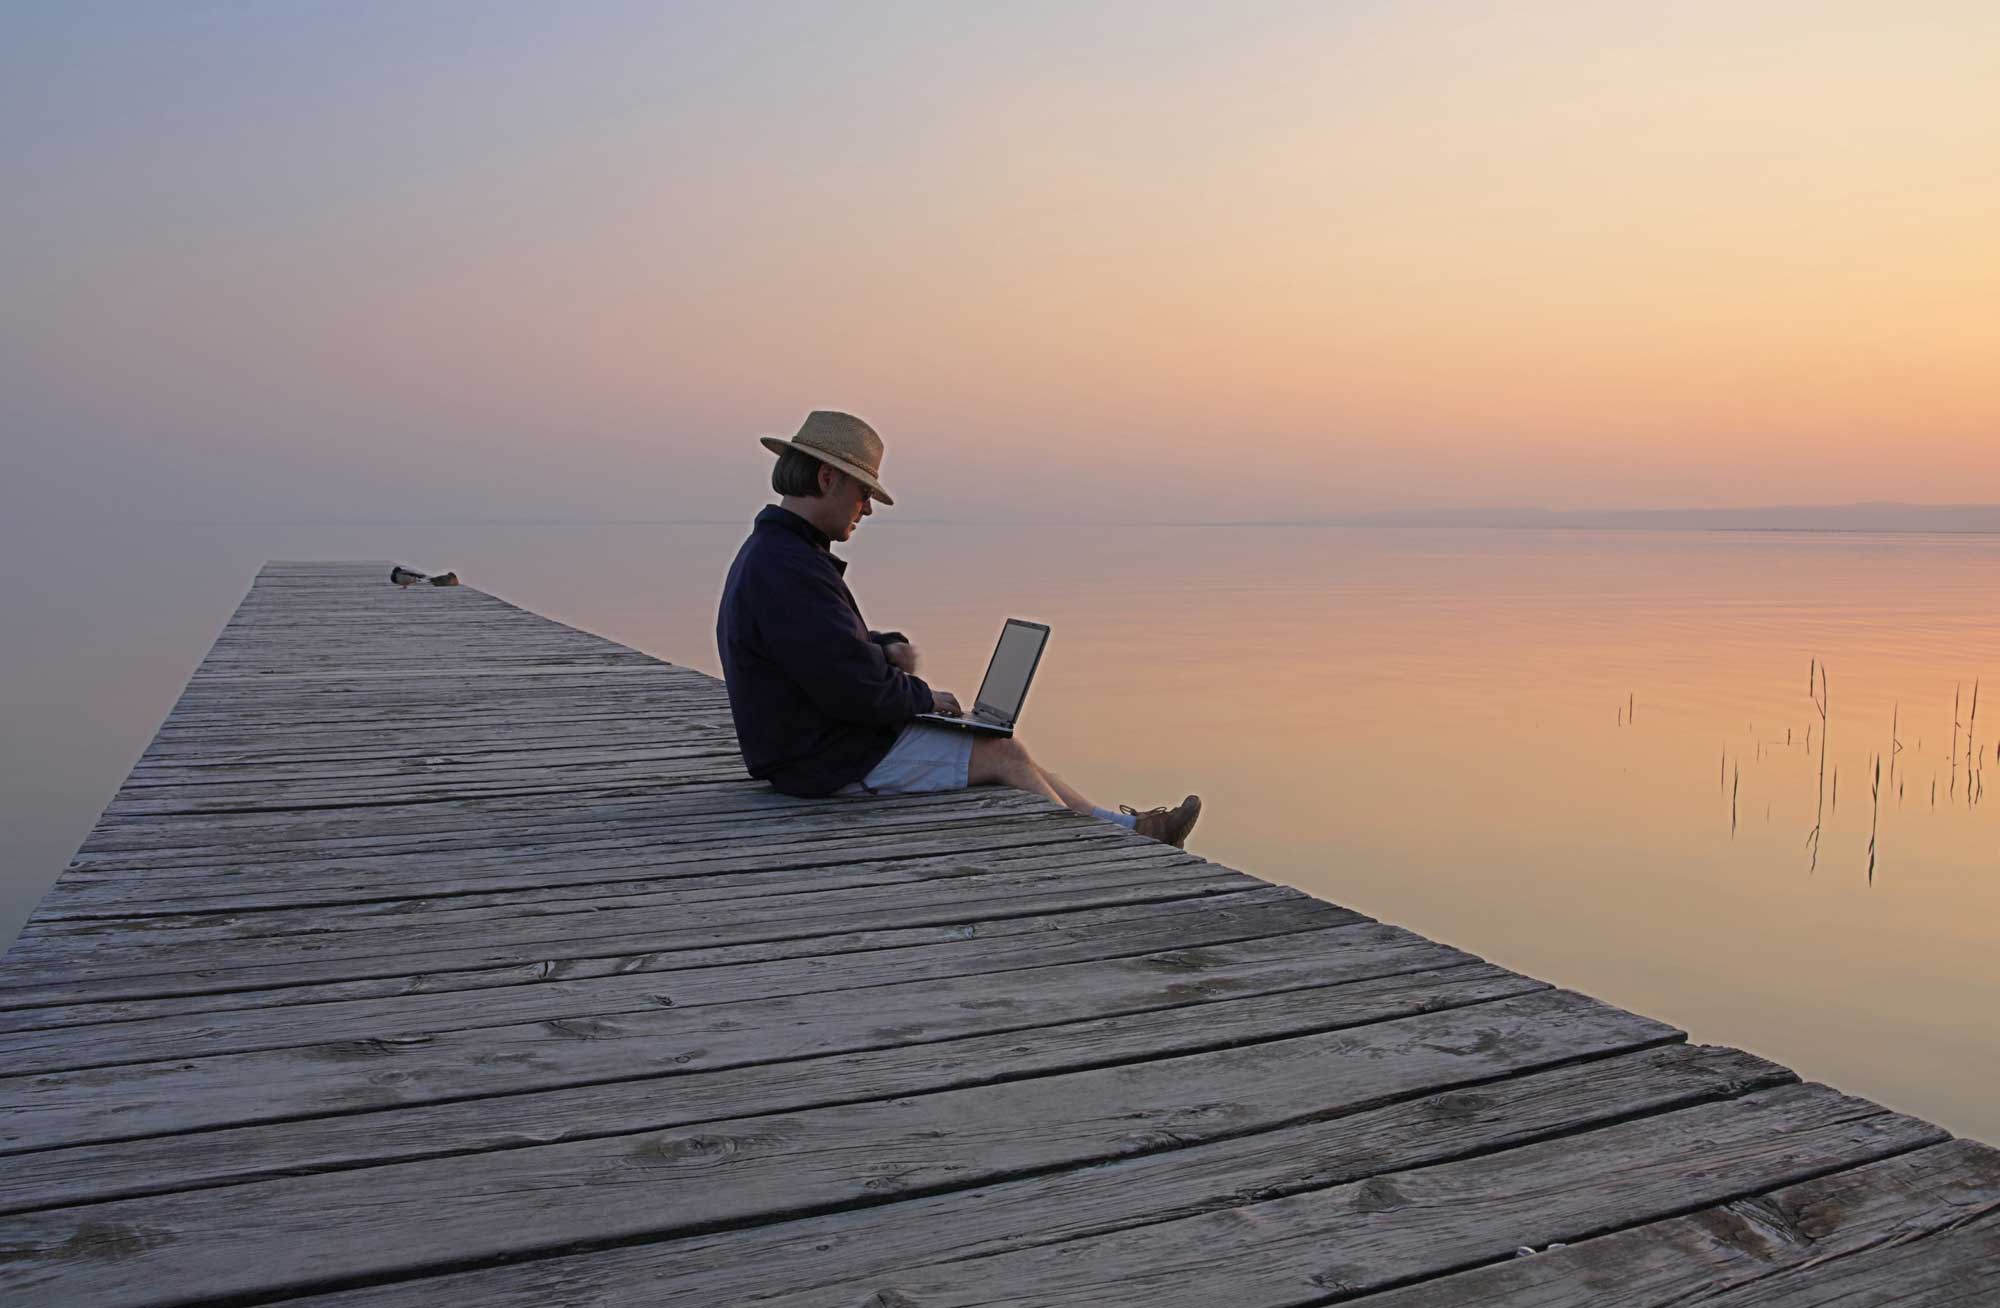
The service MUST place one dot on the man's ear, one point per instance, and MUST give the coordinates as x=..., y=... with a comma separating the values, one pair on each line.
x=829, y=478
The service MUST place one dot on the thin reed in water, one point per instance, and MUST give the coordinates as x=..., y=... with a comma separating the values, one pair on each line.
x=1952, y=790
x=1874, y=818
x=1820, y=699
x=1895, y=745
x=1971, y=755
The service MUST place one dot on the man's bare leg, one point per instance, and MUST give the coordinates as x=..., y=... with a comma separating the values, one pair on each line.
x=1069, y=794
x=1004, y=761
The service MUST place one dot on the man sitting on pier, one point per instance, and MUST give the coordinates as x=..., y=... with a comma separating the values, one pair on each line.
x=822, y=704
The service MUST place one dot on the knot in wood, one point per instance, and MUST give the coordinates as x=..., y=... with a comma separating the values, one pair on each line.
x=695, y=1150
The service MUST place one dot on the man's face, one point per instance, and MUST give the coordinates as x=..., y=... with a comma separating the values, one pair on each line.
x=853, y=501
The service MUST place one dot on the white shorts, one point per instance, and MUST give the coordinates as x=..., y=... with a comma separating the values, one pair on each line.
x=924, y=758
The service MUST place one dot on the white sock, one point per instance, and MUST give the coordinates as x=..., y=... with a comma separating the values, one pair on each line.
x=1126, y=820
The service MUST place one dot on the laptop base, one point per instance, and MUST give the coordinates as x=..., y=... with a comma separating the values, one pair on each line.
x=978, y=726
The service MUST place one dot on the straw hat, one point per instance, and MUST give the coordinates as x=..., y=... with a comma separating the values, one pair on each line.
x=839, y=440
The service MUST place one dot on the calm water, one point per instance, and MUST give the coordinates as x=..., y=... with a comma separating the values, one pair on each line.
x=1429, y=726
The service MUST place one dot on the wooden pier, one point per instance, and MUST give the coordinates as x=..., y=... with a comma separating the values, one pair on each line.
x=436, y=953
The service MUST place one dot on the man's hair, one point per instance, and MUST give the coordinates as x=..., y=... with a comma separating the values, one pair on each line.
x=796, y=473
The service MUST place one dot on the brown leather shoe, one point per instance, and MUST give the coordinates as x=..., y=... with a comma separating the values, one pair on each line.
x=1168, y=825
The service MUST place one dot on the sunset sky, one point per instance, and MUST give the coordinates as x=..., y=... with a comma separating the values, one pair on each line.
x=1155, y=260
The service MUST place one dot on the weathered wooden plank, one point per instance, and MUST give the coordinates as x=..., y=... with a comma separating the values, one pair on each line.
x=785, y=840
x=369, y=666
x=287, y=669
x=217, y=758
x=161, y=842
x=675, y=702
x=232, y=888
x=663, y=835
x=451, y=872
x=364, y=673
x=533, y=707
x=1959, y=1268
x=663, y=710
x=1408, y=1225
x=534, y=724
x=31, y=990
x=583, y=863
x=782, y=886
x=330, y=836
x=284, y=673
x=1819, y=1242
x=1269, y=910
x=694, y=808
x=533, y=701
x=346, y=1076
x=351, y=695
x=596, y=956
x=357, y=776
x=329, y=673
x=217, y=761
x=433, y=656
x=563, y=871
x=622, y=778
x=739, y=1266
x=75, y=1174
x=624, y=701
x=368, y=904
x=92, y=963
x=200, y=750
x=195, y=732
x=262, y=1236
x=623, y=875
x=396, y=758
x=149, y=1039
x=251, y=829
x=1262, y=1253
x=271, y=619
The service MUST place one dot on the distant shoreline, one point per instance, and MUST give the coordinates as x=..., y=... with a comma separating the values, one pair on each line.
x=1872, y=518
x=1614, y=526
x=1830, y=520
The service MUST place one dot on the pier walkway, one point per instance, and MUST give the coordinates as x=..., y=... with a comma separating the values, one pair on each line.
x=436, y=953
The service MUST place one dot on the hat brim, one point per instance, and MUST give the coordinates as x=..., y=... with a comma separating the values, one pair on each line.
x=778, y=445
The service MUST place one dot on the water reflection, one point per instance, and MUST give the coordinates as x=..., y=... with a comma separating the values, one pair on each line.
x=1409, y=722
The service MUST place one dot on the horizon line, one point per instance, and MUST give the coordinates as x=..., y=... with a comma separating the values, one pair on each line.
x=1489, y=519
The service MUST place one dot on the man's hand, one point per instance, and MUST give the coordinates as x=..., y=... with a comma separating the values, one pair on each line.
x=902, y=655
x=946, y=703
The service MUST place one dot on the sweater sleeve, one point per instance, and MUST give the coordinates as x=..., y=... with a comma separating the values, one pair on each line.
x=823, y=647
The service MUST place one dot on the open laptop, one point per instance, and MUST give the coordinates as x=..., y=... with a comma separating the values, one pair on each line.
x=1005, y=689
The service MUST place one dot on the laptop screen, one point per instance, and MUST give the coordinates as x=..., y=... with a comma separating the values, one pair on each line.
x=1013, y=667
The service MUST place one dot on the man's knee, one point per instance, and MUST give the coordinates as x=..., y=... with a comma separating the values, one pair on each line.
x=996, y=749
x=1000, y=758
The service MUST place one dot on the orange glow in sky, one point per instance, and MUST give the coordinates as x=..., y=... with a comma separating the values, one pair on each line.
x=1151, y=261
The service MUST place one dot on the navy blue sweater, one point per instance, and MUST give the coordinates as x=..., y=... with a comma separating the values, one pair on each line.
x=815, y=699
